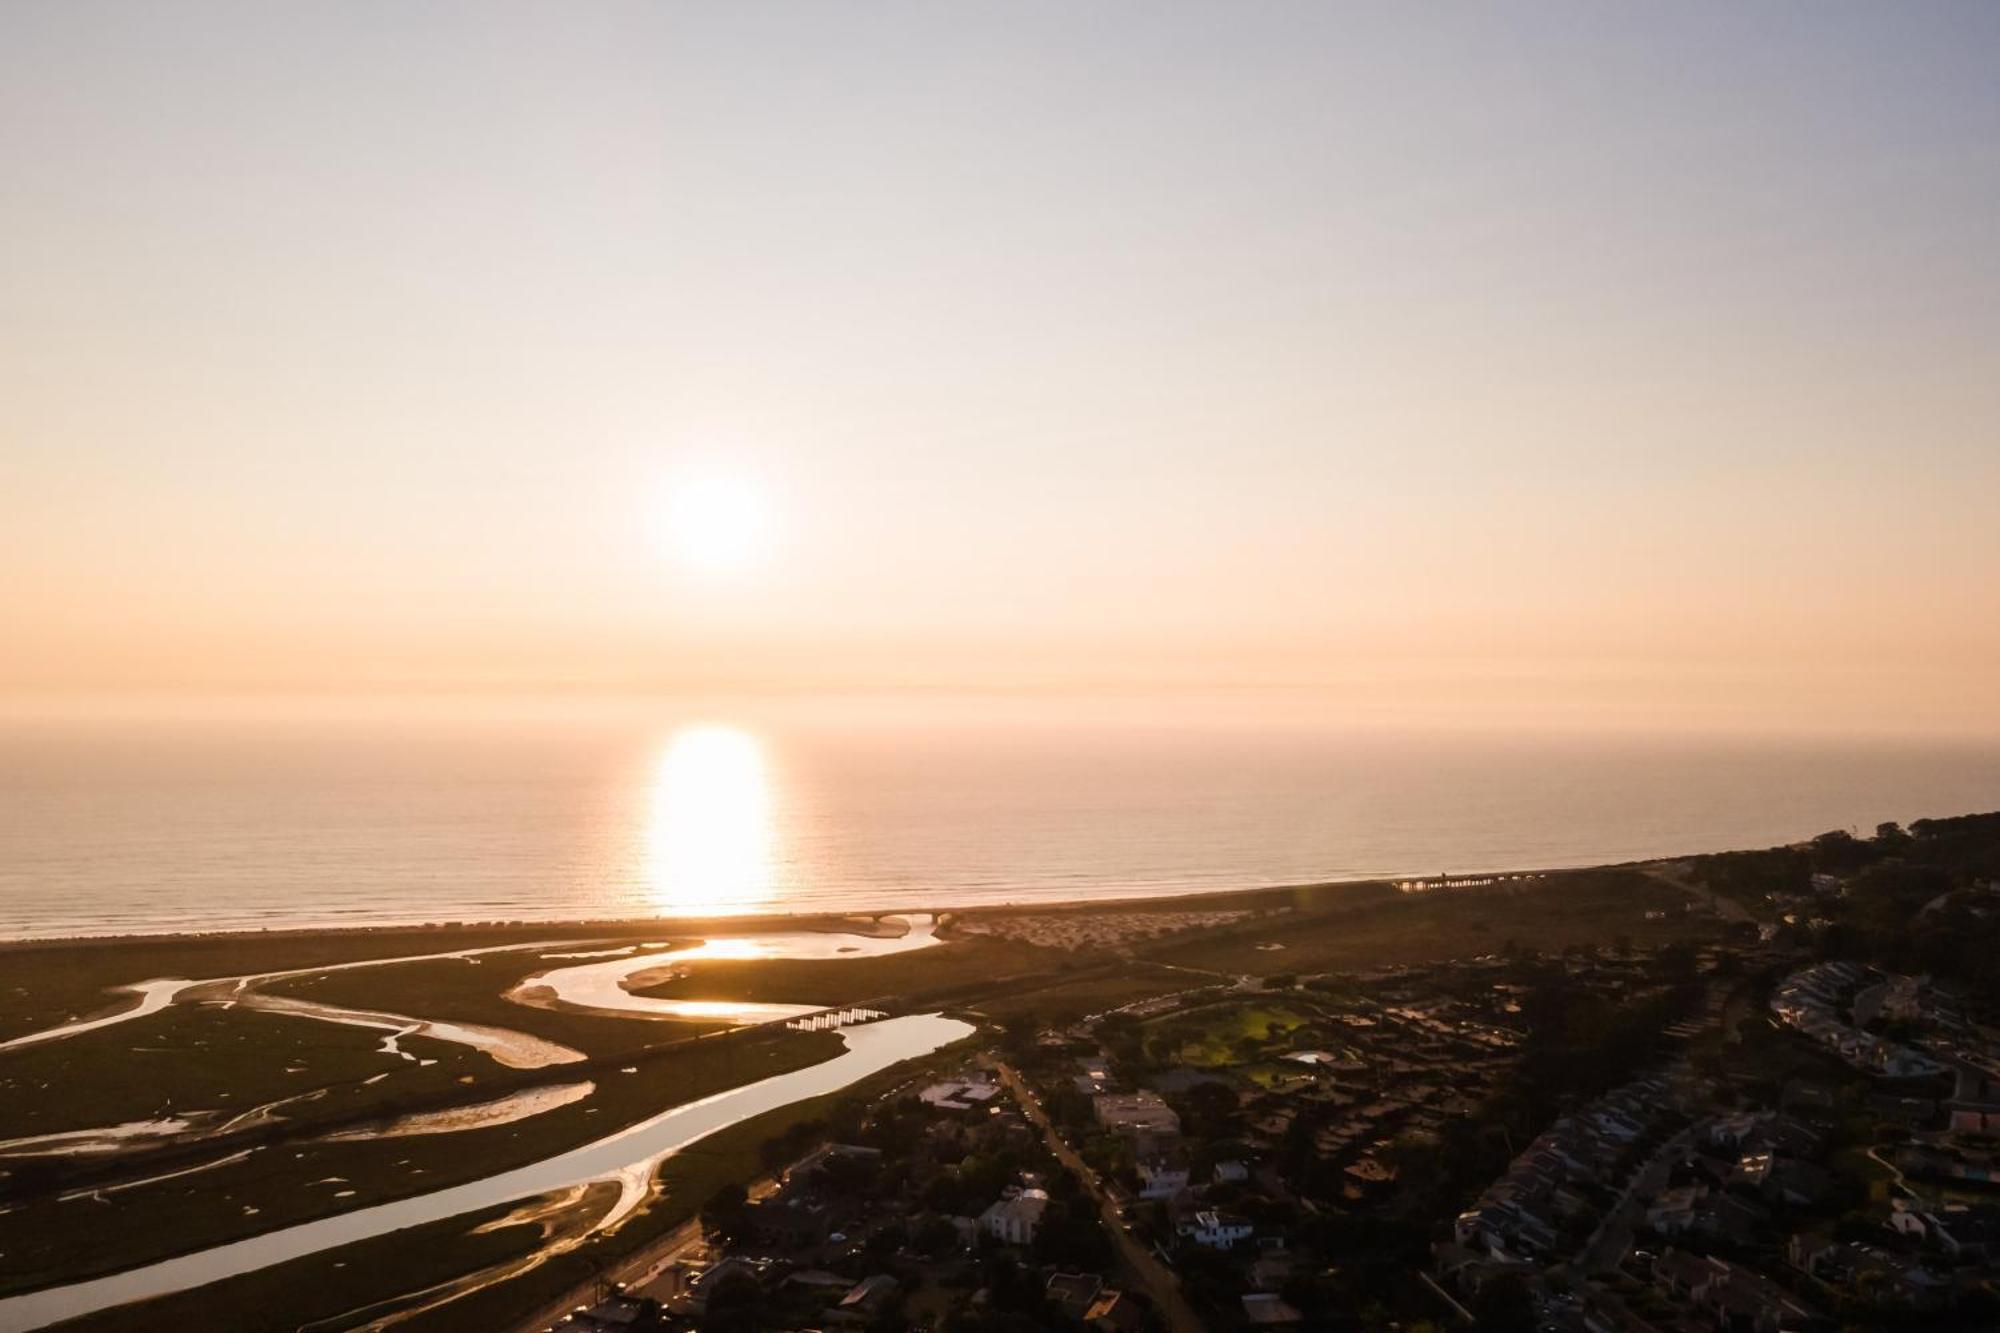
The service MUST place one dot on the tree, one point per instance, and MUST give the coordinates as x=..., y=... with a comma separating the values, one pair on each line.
x=1505, y=1305
x=1678, y=961
x=722, y=1215
x=1208, y=1109
x=734, y=1305
x=934, y=1237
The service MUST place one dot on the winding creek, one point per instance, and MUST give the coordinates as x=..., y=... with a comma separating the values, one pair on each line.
x=629, y=1159
x=510, y=1048
x=602, y=987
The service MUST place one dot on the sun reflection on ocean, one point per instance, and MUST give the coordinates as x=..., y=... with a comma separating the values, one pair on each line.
x=709, y=836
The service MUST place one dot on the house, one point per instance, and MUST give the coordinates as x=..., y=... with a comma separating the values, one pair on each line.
x=819, y=1281
x=1871, y=1274
x=1217, y=1230
x=1783, y=1179
x=1073, y=1293
x=1143, y=1117
x=1471, y=1270
x=1264, y=1310
x=1978, y=1119
x=1962, y=1231
x=1231, y=1173
x=785, y=1224
x=1505, y=1229
x=1736, y=1297
x=1730, y=1217
x=1680, y=1274
x=971, y=1093
x=1733, y=1131
x=1673, y=1212
x=1787, y=1136
x=1272, y=1270
x=1015, y=1219
x=1093, y=1076
x=716, y=1275
x=1161, y=1179
x=820, y=1158
x=865, y=1302
x=1115, y=1312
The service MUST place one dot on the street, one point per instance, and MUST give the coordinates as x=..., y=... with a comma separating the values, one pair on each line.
x=1146, y=1271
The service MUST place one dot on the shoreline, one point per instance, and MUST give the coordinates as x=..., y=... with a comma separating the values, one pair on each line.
x=859, y=921
x=1142, y=898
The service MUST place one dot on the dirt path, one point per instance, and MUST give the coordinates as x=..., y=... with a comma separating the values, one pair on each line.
x=1674, y=874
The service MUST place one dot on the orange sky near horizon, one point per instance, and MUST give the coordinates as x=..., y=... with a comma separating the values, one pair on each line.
x=1522, y=366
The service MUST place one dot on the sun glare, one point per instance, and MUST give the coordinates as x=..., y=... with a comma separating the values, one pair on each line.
x=718, y=524
x=709, y=837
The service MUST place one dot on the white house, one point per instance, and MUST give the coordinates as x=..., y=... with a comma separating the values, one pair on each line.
x=1160, y=1179
x=1014, y=1220
x=1231, y=1173
x=1218, y=1231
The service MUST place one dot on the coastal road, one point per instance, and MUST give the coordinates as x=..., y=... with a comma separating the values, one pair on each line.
x=1149, y=1273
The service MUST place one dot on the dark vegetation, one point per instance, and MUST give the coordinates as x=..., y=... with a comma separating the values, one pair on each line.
x=43, y=983
x=202, y=1058
x=473, y=990
x=44, y=1239
x=1909, y=899
x=1368, y=926
x=958, y=964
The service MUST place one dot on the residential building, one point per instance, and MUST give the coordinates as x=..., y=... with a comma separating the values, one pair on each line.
x=1014, y=1220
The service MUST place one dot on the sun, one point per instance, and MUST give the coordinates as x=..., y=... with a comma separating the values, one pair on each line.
x=717, y=524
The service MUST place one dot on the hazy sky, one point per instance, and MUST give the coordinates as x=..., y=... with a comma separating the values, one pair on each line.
x=1618, y=363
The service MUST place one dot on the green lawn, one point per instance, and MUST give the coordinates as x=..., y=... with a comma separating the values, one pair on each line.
x=1273, y=1075
x=1226, y=1034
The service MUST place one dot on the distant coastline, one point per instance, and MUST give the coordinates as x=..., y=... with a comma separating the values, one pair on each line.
x=1250, y=898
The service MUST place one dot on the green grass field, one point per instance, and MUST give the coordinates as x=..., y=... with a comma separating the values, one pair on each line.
x=1227, y=1034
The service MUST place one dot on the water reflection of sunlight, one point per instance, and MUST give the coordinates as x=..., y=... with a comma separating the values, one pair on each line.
x=709, y=839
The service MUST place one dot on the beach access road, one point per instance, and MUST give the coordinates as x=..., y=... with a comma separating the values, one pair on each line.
x=1141, y=1267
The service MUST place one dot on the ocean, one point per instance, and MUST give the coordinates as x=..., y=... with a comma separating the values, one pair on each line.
x=140, y=824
